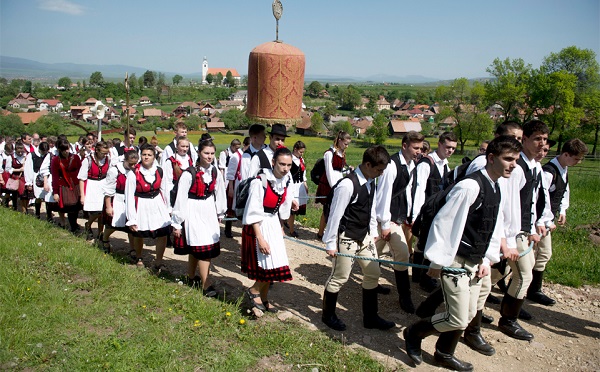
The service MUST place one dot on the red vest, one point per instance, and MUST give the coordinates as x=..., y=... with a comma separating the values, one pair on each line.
x=173, y=161
x=272, y=200
x=337, y=162
x=95, y=171
x=201, y=190
x=121, y=180
x=142, y=187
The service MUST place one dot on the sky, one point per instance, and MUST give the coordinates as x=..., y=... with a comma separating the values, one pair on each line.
x=440, y=39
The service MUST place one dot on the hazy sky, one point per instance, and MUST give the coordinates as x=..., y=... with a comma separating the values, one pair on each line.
x=435, y=38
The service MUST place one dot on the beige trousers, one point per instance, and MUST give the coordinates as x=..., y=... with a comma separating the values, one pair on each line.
x=543, y=252
x=521, y=277
x=342, y=266
x=397, y=245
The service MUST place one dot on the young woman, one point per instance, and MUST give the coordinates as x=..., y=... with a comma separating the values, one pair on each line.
x=6, y=157
x=264, y=257
x=147, y=214
x=200, y=206
x=298, y=172
x=336, y=168
x=92, y=175
x=65, y=185
x=38, y=167
x=114, y=215
x=159, y=151
x=15, y=166
x=173, y=168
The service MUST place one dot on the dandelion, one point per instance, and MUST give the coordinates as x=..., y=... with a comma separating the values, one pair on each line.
x=228, y=314
x=287, y=354
x=38, y=282
x=196, y=323
x=242, y=321
x=143, y=306
x=170, y=309
x=28, y=289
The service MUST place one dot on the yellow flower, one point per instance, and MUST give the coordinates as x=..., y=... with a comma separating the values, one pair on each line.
x=228, y=314
x=28, y=289
x=38, y=282
x=242, y=321
x=287, y=354
x=143, y=306
x=170, y=309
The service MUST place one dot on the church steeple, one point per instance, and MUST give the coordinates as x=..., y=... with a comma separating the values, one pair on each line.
x=204, y=70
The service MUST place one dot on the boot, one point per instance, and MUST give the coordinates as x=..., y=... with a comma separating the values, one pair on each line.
x=487, y=319
x=413, y=335
x=444, y=352
x=370, y=307
x=404, y=295
x=228, y=233
x=418, y=260
x=427, y=283
x=329, y=318
x=38, y=208
x=502, y=285
x=509, y=310
x=473, y=337
x=534, y=292
x=427, y=308
x=383, y=290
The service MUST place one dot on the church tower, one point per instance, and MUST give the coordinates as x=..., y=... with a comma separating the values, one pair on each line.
x=204, y=70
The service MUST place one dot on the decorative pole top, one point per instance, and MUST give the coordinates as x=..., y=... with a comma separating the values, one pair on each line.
x=277, y=12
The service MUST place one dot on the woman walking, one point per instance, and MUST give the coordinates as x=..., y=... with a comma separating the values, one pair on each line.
x=65, y=185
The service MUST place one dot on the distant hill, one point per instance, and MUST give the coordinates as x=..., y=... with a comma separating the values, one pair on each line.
x=13, y=67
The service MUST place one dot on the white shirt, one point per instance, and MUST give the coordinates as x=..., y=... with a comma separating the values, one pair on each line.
x=332, y=175
x=246, y=159
x=423, y=171
x=564, y=203
x=449, y=224
x=255, y=162
x=168, y=152
x=341, y=199
x=385, y=184
x=231, y=171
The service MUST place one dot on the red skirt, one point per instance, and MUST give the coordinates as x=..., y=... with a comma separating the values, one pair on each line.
x=250, y=261
x=323, y=189
x=200, y=252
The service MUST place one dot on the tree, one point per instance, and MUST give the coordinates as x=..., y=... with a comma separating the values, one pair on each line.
x=11, y=125
x=177, y=79
x=49, y=125
x=219, y=80
x=65, y=82
x=591, y=121
x=161, y=80
x=316, y=123
x=349, y=98
x=509, y=85
x=314, y=89
x=229, y=78
x=133, y=82
x=96, y=79
x=209, y=78
x=28, y=87
x=378, y=131
x=148, y=78
x=423, y=97
x=580, y=63
x=234, y=119
x=328, y=110
x=343, y=125
x=371, y=106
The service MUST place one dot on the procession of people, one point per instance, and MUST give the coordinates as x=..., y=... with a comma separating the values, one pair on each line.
x=472, y=226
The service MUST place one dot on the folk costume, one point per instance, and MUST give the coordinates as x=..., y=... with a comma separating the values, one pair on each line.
x=114, y=187
x=173, y=168
x=39, y=167
x=298, y=172
x=18, y=162
x=335, y=169
x=145, y=204
x=93, y=174
x=200, y=203
x=268, y=202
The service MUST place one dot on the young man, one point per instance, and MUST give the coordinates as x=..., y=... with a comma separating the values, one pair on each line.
x=352, y=229
x=170, y=149
x=237, y=169
x=118, y=152
x=432, y=172
x=225, y=155
x=522, y=227
x=264, y=156
x=556, y=180
x=465, y=233
x=394, y=198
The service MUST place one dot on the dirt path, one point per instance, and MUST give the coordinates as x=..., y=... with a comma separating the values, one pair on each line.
x=567, y=335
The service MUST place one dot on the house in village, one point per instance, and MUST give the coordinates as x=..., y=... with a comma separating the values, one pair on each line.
x=154, y=113
x=360, y=125
x=90, y=102
x=215, y=71
x=31, y=117
x=52, y=105
x=80, y=112
x=447, y=124
x=303, y=128
x=215, y=125
x=187, y=108
x=398, y=128
x=240, y=95
x=226, y=104
x=383, y=104
x=144, y=100
x=206, y=109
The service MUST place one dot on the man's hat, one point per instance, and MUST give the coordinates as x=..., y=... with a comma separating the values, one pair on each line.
x=551, y=143
x=279, y=129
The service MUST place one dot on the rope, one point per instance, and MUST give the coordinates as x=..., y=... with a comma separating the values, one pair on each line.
x=454, y=270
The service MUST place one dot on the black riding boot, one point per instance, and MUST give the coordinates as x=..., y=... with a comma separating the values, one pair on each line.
x=328, y=317
x=444, y=352
x=428, y=307
x=404, y=295
x=427, y=283
x=370, y=309
x=534, y=292
x=473, y=337
x=509, y=311
x=38, y=208
x=413, y=335
x=417, y=260
x=228, y=233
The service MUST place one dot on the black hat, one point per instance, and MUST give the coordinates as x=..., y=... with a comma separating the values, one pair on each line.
x=279, y=129
x=551, y=143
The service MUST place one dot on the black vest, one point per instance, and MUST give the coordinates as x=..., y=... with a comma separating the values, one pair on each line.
x=297, y=174
x=435, y=182
x=560, y=187
x=399, y=202
x=37, y=161
x=481, y=220
x=356, y=218
x=527, y=195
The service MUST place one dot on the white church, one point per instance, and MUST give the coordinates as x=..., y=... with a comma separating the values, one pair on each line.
x=215, y=71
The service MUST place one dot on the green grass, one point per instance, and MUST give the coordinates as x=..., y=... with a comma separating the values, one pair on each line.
x=67, y=306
